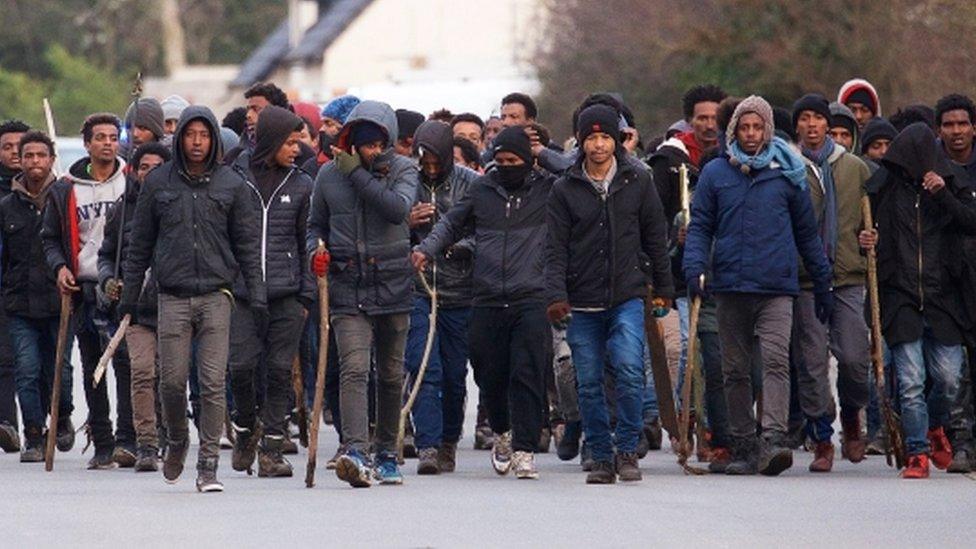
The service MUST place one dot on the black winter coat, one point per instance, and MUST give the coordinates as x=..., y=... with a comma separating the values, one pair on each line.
x=198, y=233
x=601, y=251
x=29, y=287
x=509, y=239
x=921, y=272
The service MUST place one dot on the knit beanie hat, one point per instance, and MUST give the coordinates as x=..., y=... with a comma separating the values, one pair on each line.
x=598, y=119
x=876, y=128
x=407, y=122
x=365, y=132
x=513, y=140
x=756, y=105
x=149, y=116
x=173, y=107
x=811, y=102
x=841, y=116
x=309, y=112
x=858, y=90
x=339, y=108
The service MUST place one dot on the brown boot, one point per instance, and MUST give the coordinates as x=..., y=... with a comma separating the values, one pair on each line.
x=823, y=458
x=853, y=446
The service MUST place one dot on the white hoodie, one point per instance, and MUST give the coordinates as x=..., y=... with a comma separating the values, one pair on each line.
x=94, y=200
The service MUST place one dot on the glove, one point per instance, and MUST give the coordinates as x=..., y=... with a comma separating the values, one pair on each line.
x=823, y=304
x=347, y=163
x=113, y=289
x=320, y=263
x=696, y=288
x=661, y=307
x=559, y=314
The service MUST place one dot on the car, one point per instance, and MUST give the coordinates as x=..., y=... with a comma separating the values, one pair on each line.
x=70, y=150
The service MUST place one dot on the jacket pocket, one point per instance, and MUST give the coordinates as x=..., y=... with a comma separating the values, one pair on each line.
x=169, y=208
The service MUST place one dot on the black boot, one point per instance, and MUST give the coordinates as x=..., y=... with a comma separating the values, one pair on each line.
x=745, y=457
x=774, y=456
x=207, y=476
x=245, y=446
x=146, y=459
x=33, y=451
x=569, y=445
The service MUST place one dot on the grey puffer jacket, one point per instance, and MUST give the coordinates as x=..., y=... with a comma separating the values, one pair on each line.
x=362, y=219
x=453, y=280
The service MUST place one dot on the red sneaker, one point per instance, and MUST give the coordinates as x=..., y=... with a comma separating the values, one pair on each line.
x=941, y=449
x=917, y=467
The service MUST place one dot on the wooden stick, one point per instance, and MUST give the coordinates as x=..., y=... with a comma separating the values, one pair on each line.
x=298, y=387
x=428, y=345
x=313, y=434
x=684, y=449
x=52, y=428
x=113, y=344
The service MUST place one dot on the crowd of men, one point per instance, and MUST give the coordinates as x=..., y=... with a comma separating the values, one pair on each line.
x=204, y=241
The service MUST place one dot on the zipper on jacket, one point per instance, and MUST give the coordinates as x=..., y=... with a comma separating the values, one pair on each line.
x=508, y=224
x=918, y=233
x=265, y=208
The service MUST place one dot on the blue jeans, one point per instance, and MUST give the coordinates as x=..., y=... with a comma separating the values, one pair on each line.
x=438, y=412
x=619, y=334
x=34, y=342
x=684, y=318
x=651, y=410
x=913, y=362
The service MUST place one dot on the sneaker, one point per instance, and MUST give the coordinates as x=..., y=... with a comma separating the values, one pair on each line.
x=387, y=471
x=428, y=462
x=146, y=457
x=245, y=447
x=447, y=457
x=601, y=473
x=853, y=446
x=941, y=449
x=654, y=434
x=124, y=456
x=774, y=458
x=961, y=462
x=102, y=460
x=917, y=467
x=628, y=467
x=66, y=434
x=719, y=460
x=484, y=438
x=877, y=445
x=351, y=467
x=173, y=461
x=289, y=447
x=569, y=445
x=501, y=453
x=545, y=440
x=331, y=464
x=823, y=458
x=9, y=438
x=524, y=465
x=207, y=476
x=271, y=462
x=745, y=457
x=33, y=451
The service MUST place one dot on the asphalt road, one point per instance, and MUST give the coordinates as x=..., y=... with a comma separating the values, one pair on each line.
x=855, y=506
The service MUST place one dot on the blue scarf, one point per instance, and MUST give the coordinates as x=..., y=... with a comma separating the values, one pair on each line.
x=777, y=151
x=828, y=214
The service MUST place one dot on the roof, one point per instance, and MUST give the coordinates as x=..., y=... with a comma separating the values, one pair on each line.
x=339, y=15
x=334, y=18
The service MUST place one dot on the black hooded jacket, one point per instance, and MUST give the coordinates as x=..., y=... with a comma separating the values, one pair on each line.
x=29, y=287
x=452, y=183
x=601, y=251
x=283, y=194
x=920, y=268
x=198, y=232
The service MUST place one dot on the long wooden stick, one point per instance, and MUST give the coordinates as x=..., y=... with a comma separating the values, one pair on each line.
x=684, y=448
x=895, y=447
x=313, y=433
x=419, y=379
x=52, y=428
x=113, y=344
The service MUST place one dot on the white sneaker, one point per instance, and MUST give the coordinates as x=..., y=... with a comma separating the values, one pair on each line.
x=524, y=465
x=501, y=453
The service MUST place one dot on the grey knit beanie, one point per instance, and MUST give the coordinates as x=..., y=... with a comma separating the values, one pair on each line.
x=751, y=104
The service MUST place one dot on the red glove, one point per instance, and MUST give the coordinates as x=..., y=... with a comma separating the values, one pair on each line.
x=320, y=263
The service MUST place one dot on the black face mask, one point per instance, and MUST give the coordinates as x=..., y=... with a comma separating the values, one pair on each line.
x=325, y=142
x=512, y=177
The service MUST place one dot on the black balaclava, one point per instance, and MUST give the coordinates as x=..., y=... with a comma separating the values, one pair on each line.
x=516, y=141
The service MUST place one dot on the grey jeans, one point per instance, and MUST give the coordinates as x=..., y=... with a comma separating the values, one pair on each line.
x=205, y=320
x=565, y=375
x=356, y=335
x=846, y=337
x=741, y=319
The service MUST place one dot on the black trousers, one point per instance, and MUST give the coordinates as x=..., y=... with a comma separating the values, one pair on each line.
x=508, y=355
x=85, y=321
x=272, y=342
x=8, y=382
